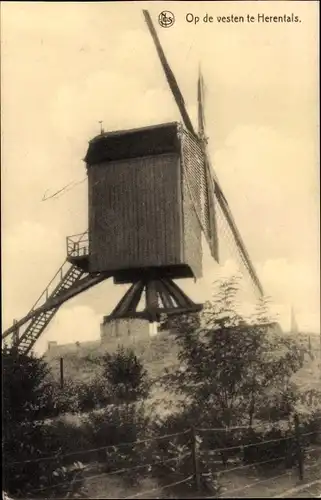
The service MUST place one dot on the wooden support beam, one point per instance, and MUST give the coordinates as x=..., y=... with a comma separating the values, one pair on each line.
x=164, y=295
x=136, y=298
x=180, y=297
x=151, y=300
x=124, y=306
x=151, y=295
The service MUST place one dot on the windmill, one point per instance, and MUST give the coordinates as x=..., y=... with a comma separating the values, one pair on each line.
x=152, y=192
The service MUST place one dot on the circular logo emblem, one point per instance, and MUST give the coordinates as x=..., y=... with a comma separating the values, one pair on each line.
x=166, y=19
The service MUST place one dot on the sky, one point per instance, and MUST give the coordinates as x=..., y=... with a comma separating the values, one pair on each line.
x=66, y=66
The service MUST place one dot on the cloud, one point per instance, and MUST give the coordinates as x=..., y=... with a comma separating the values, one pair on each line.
x=71, y=324
x=29, y=252
x=289, y=283
x=82, y=102
x=294, y=283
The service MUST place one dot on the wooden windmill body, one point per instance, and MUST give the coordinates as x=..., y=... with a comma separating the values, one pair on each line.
x=151, y=195
x=140, y=216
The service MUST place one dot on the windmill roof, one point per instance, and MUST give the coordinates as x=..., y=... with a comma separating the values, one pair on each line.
x=133, y=143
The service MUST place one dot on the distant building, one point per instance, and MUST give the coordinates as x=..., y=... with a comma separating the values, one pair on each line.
x=293, y=326
x=52, y=344
x=54, y=349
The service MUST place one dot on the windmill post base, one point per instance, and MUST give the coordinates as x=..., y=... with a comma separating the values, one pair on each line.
x=162, y=297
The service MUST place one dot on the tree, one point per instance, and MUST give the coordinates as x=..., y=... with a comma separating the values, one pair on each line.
x=126, y=376
x=222, y=310
x=231, y=367
x=24, y=398
x=27, y=401
x=169, y=322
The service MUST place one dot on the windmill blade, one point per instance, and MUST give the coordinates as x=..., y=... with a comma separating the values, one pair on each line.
x=213, y=239
x=219, y=200
x=169, y=74
x=200, y=101
x=211, y=229
x=212, y=232
x=217, y=194
x=237, y=236
x=214, y=189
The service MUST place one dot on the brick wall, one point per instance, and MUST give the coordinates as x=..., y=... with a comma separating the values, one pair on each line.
x=125, y=330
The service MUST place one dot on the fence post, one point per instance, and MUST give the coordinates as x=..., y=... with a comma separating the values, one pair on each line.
x=61, y=373
x=299, y=446
x=15, y=338
x=197, y=477
x=310, y=346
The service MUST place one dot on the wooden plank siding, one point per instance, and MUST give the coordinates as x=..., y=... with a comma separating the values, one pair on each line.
x=135, y=213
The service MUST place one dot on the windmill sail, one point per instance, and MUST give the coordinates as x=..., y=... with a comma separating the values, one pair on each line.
x=237, y=238
x=169, y=74
x=213, y=183
x=211, y=228
x=200, y=99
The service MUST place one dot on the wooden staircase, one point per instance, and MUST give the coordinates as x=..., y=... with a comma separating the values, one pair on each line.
x=39, y=322
x=69, y=281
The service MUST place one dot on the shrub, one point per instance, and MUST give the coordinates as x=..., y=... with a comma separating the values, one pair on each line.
x=172, y=456
x=66, y=399
x=126, y=376
x=80, y=396
x=271, y=446
x=114, y=431
x=93, y=395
